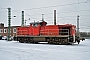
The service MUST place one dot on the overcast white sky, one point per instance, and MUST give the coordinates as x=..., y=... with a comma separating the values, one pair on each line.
x=67, y=11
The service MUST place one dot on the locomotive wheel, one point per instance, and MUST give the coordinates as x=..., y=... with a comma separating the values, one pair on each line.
x=59, y=41
x=50, y=42
x=21, y=41
x=27, y=40
x=36, y=42
x=31, y=41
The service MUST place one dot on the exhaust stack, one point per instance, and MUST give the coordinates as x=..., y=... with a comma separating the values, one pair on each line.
x=54, y=17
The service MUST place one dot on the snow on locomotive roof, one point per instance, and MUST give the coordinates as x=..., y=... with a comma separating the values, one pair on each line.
x=35, y=22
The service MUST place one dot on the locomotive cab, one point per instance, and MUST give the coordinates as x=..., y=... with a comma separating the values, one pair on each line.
x=35, y=28
x=36, y=24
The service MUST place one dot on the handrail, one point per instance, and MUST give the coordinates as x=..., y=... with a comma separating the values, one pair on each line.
x=54, y=32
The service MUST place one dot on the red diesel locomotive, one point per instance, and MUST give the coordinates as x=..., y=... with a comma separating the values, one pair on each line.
x=53, y=34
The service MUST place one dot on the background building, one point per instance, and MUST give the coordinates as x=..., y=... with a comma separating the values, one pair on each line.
x=4, y=30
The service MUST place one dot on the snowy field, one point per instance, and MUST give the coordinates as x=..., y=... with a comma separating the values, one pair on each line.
x=22, y=51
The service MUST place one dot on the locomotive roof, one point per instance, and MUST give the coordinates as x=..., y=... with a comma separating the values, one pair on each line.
x=37, y=22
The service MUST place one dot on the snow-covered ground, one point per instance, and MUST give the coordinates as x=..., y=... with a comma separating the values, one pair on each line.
x=22, y=51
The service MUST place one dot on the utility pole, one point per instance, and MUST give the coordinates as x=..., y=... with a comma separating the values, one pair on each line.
x=22, y=18
x=78, y=33
x=9, y=22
